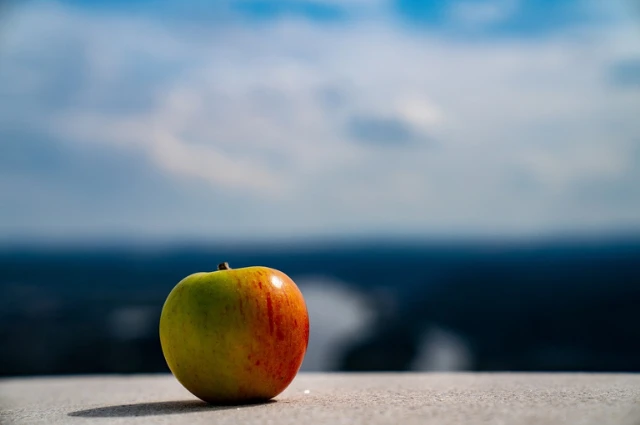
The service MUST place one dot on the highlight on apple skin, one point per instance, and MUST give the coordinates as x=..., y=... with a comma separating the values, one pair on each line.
x=235, y=335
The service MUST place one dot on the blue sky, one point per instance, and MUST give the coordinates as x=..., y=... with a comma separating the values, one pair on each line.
x=293, y=119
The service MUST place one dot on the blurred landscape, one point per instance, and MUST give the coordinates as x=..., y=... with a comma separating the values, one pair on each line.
x=454, y=185
x=373, y=306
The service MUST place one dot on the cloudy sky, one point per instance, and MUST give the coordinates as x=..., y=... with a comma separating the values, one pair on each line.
x=254, y=119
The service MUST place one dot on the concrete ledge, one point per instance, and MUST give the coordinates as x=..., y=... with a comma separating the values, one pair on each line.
x=333, y=399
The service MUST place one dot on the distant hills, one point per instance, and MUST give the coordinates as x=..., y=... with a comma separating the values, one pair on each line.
x=555, y=305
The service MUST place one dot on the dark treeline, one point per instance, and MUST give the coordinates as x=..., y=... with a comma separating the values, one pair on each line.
x=547, y=306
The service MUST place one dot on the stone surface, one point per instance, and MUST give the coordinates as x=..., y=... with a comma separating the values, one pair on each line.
x=334, y=399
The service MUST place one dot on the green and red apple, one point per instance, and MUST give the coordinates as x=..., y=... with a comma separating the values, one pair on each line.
x=235, y=335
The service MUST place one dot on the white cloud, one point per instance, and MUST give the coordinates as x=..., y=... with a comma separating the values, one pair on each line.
x=262, y=111
x=481, y=13
x=419, y=112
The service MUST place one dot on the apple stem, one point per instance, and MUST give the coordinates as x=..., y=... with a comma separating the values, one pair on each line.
x=224, y=266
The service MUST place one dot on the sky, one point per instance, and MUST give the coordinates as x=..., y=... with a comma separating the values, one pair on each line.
x=269, y=119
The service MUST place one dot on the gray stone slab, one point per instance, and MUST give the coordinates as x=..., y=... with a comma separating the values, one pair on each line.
x=333, y=399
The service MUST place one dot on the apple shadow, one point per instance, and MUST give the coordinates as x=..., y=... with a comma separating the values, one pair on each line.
x=158, y=408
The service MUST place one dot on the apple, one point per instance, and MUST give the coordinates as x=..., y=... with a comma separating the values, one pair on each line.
x=235, y=335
